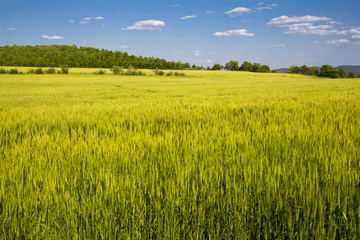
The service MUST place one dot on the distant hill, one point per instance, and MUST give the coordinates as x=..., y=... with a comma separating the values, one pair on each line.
x=347, y=68
x=354, y=69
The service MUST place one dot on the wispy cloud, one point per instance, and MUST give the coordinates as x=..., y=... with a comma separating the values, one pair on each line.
x=11, y=29
x=174, y=5
x=279, y=45
x=210, y=12
x=123, y=46
x=71, y=21
x=52, y=37
x=338, y=42
x=197, y=53
x=262, y=6
x=238, y=11
x=286, y=20
x=84, y=22
x=188, y=17
x=305, y=25
x=234, y=33
x=148, y=25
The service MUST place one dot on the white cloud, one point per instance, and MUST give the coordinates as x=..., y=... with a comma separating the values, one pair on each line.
x=285, y=20
x=263, y=6
x=84, y=22
x=307, y=25
x=188, y=17
x=99, y=18
x=87, y=19
x=209, y=12
x=178, y=52
x=238, y=11
x=11, y=29
x=338, y=42
x=52, y=37
x=123, y=46
x=234, y=33
x=333, y=22
x=279, y=45
x=355, y=36
x=309, y=29
x=71, y=21
x=197, y=53
x=149, y=25
x=174, y=5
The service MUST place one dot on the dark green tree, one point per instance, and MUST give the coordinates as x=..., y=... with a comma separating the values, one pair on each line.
x=294, y=69
x=246, y=66
x=232, y=66
x=265, y=68
x=314, y=71
x=328, y=71
x=351, y=75
x=256, y=67
x=342, y=73
x=305, y=70
x=216, y=67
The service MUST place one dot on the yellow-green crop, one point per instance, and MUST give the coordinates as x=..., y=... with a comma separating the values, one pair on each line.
x=212, y=155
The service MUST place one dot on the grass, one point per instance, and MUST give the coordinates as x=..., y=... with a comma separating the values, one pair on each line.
x=212, y=155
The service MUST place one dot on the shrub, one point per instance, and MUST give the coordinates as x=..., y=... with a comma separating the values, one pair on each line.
x=179, y=74
x=64, y=69
x=13, y=71
x=51, y=71
x=158, y=73
x=100, y=72
x=117, y=70
x=31, y=71
x=169, y=74
x=39, y=71
x=2, y=70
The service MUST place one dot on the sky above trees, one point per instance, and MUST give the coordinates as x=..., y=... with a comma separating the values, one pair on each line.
x=277, y=33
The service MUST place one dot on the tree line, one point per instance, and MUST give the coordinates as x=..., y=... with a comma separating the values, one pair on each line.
x=245, y=66
x=327, y=71
x=83, y=57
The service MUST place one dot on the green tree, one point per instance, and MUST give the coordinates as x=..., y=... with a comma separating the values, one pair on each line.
x=256, y=67
x=216, y=67
x=314, y=71
x=246, y=66
x=232, y=66
x=351, y=75
x=265, y=68
x=305, y=70
x=294, y=69
x=342, y=73
x=328, y=71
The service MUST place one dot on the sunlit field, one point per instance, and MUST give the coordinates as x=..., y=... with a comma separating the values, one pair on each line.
x=208, y=155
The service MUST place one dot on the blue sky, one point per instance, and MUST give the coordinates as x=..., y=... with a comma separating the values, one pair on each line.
x=278, y=33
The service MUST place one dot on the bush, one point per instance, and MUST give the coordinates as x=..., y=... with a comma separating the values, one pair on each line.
x=2, y=70
x=39, y=71
x=100, y=72
x=64, y=69
x=169, y=74
x=13, y=71
x=117, y=70
x=51, y=71
x=158, y=73
x=179, y=74
x=31, y=71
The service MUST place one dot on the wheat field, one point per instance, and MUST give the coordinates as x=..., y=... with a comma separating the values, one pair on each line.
x=208, y=155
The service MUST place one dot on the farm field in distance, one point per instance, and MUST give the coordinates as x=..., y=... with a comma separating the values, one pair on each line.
x=208, y=155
